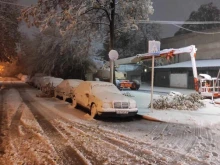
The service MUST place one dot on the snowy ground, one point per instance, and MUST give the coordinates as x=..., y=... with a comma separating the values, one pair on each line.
x=48, y=131
x=205, y=116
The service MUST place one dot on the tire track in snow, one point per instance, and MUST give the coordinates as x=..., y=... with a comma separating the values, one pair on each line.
x=108, y=146
x=134, y=147
x=16, y=122
x=162, y=153
x=67, y=154
x=77, y=145
x=205, y=146
x=14, y=130
x=151, y=153
x=2, y=116
x=216, y=144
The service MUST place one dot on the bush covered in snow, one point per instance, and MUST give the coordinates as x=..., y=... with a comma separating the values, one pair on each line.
x=179, y=102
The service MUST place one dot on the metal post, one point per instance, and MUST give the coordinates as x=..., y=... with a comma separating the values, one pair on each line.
x=152, y=82
x=111, y=70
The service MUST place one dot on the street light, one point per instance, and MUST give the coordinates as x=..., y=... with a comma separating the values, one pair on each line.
x=113, y=55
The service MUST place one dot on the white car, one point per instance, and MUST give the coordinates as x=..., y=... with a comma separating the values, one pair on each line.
x=66, y=88
x=54, y=82
x=35, y=79
x=44, y=81
x=103, y=98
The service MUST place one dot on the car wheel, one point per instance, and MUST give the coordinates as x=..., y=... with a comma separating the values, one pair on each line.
x=135, y=85
x=93, y=110
x=74, y=103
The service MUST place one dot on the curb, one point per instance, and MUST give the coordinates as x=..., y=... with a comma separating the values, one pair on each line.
x=150, y=118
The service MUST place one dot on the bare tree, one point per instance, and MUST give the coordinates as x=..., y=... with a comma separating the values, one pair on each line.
x=8, y=31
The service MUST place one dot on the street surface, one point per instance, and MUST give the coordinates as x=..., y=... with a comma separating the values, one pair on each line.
x=37, y=130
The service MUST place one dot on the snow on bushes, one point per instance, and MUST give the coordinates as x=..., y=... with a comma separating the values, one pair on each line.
x=179, y=101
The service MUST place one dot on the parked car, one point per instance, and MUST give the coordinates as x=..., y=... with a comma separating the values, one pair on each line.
x=54, y=82
x=103, y=98
x=35, y=79
x=66, y=88
x=44, y=81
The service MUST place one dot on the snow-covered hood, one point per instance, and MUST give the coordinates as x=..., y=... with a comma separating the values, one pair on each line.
x=112, y=97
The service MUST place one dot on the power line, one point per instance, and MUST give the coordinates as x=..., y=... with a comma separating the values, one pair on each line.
x=15, y=4
x=196, y=31
x=176, y=22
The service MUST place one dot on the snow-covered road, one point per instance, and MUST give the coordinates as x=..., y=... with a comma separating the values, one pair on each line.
x=48, y=131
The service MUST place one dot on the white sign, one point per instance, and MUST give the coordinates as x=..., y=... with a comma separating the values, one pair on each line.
x=113, y=55
x=154, y=47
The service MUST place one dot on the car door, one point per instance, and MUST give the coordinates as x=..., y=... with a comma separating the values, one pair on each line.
x=67, y=89
x=59, y=89
x=82, y=94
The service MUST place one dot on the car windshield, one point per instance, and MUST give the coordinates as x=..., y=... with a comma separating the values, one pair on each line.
x=98, y=88
x=74, y=83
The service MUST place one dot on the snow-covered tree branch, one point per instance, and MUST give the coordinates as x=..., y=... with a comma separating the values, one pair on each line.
x=87, y=15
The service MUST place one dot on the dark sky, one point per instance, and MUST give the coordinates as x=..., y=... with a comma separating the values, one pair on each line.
x=176, y=10
x=167, y=10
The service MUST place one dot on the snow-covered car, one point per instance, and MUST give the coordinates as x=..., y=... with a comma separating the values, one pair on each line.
x=44, y=81
x=66, y=88
x=103, y=98
x=36, y=78
x=54, y=82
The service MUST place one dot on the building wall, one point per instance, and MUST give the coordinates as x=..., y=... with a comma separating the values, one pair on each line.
x=163, y=76
x=208, y=45
x=178, y=80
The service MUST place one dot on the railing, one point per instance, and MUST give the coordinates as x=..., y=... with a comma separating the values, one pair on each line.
x=206, y=87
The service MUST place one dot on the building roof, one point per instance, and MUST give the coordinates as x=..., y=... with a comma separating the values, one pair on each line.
x=188, y=64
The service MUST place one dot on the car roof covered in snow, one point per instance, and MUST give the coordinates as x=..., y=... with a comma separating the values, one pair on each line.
x=72, y=82
x=55, y=81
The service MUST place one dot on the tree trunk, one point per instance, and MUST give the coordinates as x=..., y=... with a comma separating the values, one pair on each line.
x=112, y=37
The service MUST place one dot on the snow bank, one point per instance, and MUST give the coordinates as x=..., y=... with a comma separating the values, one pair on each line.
x=178, y=101
x=13, y=102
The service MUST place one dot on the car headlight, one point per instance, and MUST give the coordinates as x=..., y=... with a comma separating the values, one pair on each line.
x=133, y=105
x=107, y=105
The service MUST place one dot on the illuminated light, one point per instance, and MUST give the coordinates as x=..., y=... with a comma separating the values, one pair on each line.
x=1, y=68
